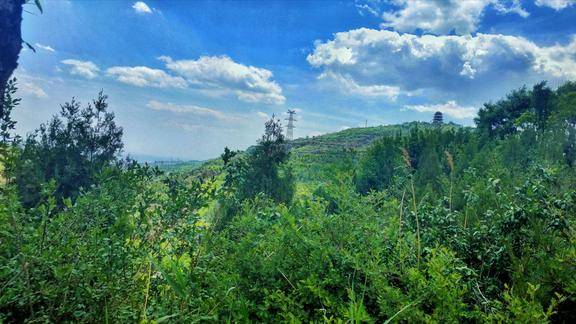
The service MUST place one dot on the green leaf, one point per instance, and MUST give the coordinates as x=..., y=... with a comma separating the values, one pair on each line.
x=164, y=318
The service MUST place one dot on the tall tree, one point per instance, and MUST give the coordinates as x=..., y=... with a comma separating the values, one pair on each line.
x=71, y=150
x=498, y=119
x=542, y=103
x=263, y=171
x=377, y=166
x=10, y=41
x=227, y=155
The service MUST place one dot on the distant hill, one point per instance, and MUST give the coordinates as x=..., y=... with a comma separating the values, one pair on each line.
x=178, y=166
x=311, y=156
x=354, y=138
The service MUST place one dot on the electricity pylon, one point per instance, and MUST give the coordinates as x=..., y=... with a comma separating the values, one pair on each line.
x=290, y=127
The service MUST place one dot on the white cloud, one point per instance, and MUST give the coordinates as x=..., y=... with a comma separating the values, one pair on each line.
x=450, y=108
x=262, y=115
x=30, y=85
x=348, y=86
x=45, y=47
x=85, y=69
x=441, y=63
x=141, y=8
x=198, y=128
x=142, y=76
x=436, y=16
x=370, y=7
x=29, y=88
x=221, y=73
x=189, y=109
x=514, y=6
x=555, y=4
x=445, y=16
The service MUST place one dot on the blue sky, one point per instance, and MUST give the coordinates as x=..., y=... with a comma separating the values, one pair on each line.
x=186, y=78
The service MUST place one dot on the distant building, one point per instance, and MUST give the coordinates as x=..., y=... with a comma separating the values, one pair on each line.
x=438, y=118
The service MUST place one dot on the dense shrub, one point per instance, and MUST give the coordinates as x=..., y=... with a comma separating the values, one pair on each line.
x=71, y=150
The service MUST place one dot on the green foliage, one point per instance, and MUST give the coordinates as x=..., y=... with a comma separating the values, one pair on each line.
x=378, y=165
x=263, y=171
x=497, y=119
x=8, y=141
x=426, y=224
x=227, y=155
x=74, y=265
x=178, y=166
x=9, y=102
x=71, y=149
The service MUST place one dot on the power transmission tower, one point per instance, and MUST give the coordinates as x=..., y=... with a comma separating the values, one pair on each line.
x=290, y=127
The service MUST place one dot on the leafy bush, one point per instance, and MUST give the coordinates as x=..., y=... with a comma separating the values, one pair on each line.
x=71, y=150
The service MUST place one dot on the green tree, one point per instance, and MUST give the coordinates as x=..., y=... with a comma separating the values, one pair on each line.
x=227, y=155
x=9, y=102
x=264, y=170
x=11, y=40
x=498, y=119
x=566, y=110
x=542, y=103
x=71, y=149
x=377, y=166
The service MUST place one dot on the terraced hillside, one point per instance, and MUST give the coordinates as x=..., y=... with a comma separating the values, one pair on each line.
x=312, y=157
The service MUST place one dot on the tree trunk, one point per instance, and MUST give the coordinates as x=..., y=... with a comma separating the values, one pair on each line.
x=10, y=41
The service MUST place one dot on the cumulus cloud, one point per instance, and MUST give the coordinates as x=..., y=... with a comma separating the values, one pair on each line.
x=450, y=108
x=445, y=16
x=142, y=76
x=45, y=47
x=555, y=4
x=221, y=73
x=443, y=63
x=347, y=85
x=189, y=109
x=141, y=7
x=86, y=69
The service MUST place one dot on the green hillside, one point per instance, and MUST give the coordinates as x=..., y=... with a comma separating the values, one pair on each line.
x=177, y=166
x=311, y=157
x=356, y=138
